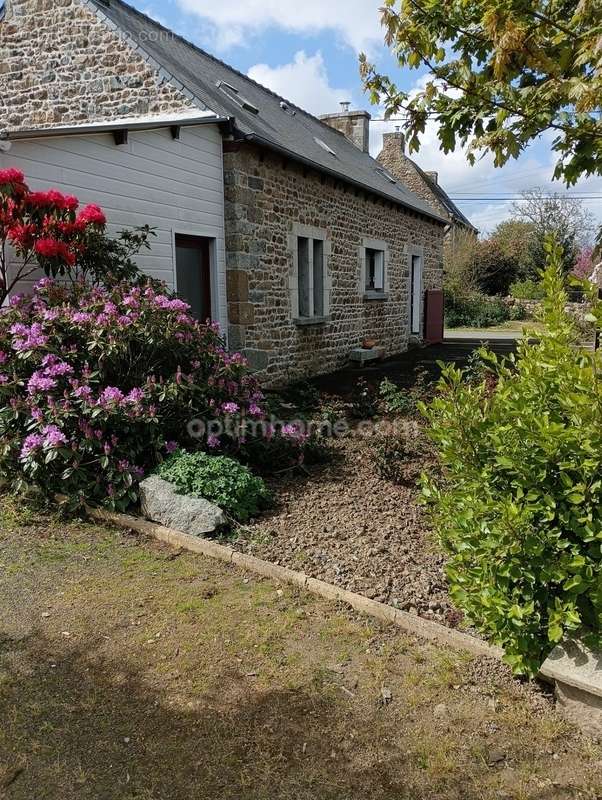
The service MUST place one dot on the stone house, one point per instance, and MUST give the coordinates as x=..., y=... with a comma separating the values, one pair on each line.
x=274, y=223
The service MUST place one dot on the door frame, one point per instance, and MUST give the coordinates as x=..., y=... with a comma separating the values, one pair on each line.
x=214, y=273
x=415, y=250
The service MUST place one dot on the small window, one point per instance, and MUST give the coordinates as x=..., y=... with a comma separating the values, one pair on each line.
x=310, y=277
x=324, y=146
x=233, y=93
x=375, y=270
x=385, y=174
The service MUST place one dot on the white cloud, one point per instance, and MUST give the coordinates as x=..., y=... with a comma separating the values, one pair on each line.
x=304, y=82
x=356, y=22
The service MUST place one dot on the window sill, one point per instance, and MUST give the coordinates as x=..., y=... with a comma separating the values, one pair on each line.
x=376, y=296
x=304, y=322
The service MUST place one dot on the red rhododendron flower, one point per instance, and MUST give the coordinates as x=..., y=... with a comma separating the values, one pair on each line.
x=92, y=215
x=49, y=248
x=22, y=235
x=11, y=175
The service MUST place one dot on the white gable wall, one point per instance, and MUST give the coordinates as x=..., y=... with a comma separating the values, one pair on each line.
x=175, y=186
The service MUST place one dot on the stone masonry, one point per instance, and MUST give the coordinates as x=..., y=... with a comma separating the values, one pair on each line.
x=265, y=197
x=394, y=160
x=62, y=62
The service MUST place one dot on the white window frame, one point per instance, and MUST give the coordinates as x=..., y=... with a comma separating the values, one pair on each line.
x=415, y=292
x=382, y=246
x=313, y=234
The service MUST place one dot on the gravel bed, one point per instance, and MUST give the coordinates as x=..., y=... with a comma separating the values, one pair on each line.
x=345, y=525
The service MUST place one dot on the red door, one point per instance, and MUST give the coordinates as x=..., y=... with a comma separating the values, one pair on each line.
x=433, y=316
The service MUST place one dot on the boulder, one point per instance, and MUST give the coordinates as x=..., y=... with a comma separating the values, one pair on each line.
x=160, y=502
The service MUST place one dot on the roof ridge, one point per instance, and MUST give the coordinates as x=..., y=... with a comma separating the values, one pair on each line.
x=137, y=12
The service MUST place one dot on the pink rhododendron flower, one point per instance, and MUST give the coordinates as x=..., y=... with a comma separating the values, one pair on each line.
x=31, y=443
x=213, y=441
x=171, y=447
x=53, y=437
x=40, y=383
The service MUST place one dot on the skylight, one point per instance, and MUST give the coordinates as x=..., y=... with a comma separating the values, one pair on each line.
x=233, y=93
x=386, y=175
x=324, y=146
x=287, y=109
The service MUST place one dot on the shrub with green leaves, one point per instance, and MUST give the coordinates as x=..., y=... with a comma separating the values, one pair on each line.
x=220, y=479
x=527, y=290
x=519, y=506
x=474, y=310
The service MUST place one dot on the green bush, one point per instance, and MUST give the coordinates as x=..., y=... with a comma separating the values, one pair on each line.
x=519, y=507
x=220, y=479
x=394, y=399
x=527, y=290
x=396, y=459
x=474, y=310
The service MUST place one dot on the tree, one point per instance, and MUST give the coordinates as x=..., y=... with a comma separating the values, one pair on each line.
x=502, y=72
x=562, y=217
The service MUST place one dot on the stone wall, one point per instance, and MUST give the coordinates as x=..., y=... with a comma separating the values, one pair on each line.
x=265, y=197
x=60, y=63
x=394, y=160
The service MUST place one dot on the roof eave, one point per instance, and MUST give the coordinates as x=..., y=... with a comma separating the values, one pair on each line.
x=254, y=137
x=79, y=130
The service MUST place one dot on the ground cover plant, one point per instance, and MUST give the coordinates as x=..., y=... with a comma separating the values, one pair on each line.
x=519, y=506
x=220, y=479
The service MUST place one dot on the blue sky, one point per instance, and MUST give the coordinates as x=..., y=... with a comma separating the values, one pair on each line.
x=306, y=50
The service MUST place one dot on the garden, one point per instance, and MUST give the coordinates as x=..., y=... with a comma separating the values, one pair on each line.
x=473, y=501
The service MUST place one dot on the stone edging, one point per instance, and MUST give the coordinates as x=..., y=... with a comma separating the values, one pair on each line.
x=417, y=626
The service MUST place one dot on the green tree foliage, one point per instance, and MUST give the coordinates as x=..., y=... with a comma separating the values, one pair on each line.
x=502, y=72
x=519, y=506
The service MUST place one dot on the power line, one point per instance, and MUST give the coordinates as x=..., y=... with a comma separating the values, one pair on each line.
x=520, y=198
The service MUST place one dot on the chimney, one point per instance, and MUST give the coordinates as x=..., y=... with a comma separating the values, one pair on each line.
x=354, y=124
x=394, y=142
x=434, y=176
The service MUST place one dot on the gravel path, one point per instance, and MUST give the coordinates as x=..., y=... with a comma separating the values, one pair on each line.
x=346, y=525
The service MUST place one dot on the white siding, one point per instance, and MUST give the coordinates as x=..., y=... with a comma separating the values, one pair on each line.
x=175, y=186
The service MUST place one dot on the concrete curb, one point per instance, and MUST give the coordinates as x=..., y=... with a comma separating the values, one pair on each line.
x=414, y=625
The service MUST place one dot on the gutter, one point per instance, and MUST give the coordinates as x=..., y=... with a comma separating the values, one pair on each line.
x=253, y=137
x=79, y=130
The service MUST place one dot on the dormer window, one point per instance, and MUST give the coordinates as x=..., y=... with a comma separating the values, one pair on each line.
x=233, y=93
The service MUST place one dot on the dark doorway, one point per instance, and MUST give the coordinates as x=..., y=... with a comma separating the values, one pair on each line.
x=193, y=274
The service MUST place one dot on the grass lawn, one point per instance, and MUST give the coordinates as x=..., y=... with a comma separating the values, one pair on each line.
x=129, y=670
x=511, y=327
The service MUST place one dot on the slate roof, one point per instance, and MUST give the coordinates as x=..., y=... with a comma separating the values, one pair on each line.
x=294, y=135
x=445, y=200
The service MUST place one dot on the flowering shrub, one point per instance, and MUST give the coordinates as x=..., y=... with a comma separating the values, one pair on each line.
x=44, y=228
x=97, y=384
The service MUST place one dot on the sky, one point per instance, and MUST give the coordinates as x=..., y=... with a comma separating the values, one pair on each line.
x=307, y=51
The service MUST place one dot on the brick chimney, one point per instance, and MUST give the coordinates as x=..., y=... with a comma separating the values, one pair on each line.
x=354, y=124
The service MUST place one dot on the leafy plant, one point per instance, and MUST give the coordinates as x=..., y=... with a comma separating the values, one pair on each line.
x=396, y=458
x=394, y=399
x=474, y=310
x=97, y=384
x=363, y=400
x=220, y=479
x=519, y=508
x=527, y=290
